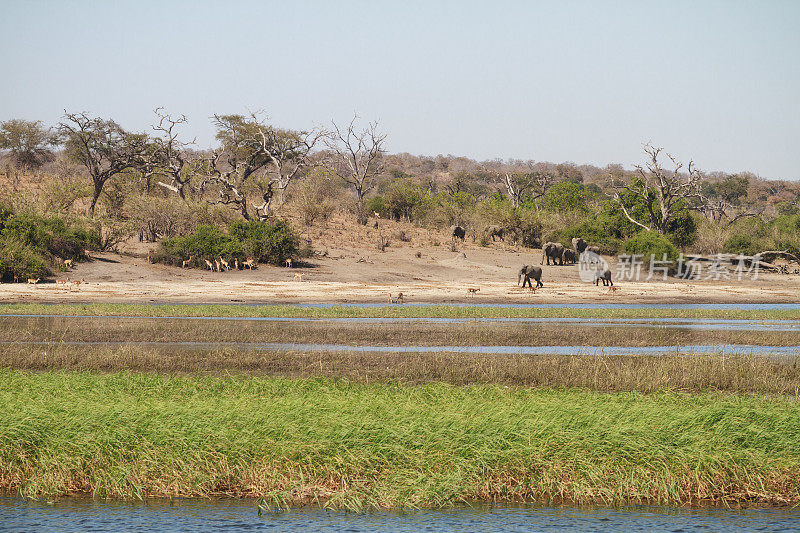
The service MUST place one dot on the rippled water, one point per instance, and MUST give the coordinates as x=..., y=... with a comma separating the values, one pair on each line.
x=689, y=349
x=18, y=515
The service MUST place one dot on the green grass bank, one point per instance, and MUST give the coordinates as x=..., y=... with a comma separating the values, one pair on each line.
x=388, y=311
x=358, y=445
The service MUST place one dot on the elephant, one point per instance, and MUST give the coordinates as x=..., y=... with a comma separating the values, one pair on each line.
x=593, y=249
x=527, y=272
x=554, y=250
x=604, y=276
x=579, y=244
x=495, y=231
x=457, y=232
x=569, y=256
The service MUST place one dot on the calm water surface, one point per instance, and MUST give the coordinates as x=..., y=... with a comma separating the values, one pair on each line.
x=18, y=515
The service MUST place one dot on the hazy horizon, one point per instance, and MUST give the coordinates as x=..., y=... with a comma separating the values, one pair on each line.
x=585, y=82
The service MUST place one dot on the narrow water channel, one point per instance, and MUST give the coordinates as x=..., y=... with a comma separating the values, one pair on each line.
x=73, y=515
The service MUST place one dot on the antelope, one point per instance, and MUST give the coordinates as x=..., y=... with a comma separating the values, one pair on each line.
x=77, y=283
x=397, y=300
x=68, y=263
x=225, y=264
x=62, y=281
x=298, y=277
x=236, y=263
x=472, y=290
x=209, y=264
x=219, y=267
x=289, y=262
x=33, y=281
x=250, y=263
x=186, y=262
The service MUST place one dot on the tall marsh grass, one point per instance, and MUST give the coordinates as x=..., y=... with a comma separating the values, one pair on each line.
x=355, y=445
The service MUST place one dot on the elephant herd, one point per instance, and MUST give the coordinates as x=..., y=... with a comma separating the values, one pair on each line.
x=560, y=255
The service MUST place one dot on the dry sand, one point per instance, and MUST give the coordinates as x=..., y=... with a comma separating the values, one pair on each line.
x=360, y=273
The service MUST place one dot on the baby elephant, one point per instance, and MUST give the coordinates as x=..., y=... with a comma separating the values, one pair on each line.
x=569, y=256
x=528, y=272
x=495, y=231
x=604, y=276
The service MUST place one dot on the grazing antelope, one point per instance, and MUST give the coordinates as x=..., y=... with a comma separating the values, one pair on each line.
x=250, y=263
x=33, y=281
x=68, y=263
x=186, y=262
x=77, y=283
x=224, y=264
x=472, y=290
x=62, y=281
x=209, y=264
x=398, y=300
x=219, y=267
x=289, y=262
x=298, y=277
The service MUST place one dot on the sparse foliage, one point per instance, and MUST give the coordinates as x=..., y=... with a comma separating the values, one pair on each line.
x=356, y=157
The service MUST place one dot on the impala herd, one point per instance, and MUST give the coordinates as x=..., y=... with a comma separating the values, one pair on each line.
x=218, y=265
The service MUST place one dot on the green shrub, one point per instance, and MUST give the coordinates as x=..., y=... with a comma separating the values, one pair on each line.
x=650, y=244
x=564, y=196
x=601, y=230
x=33, y=246
x=267, y=242
x=682, y=229
x=377, y=204
x=20, y=261
x=740, y=244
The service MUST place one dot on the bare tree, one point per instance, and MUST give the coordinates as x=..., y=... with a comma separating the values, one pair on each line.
x=103, y=147
x=658, y=190
x=356, y=157
x=172, y=159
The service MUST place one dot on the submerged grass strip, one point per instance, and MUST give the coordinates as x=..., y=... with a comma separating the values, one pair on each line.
x=396, y=311
x=326, y=331
x=356, y=445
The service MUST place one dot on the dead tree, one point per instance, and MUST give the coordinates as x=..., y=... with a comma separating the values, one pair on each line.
x=172, y=158
x=659, y=190
x=356, y=157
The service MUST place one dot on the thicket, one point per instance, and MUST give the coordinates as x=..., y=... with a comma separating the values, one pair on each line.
x=266, y=242
x=33, y=246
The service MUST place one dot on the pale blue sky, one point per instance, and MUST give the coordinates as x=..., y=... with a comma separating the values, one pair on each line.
x=587, y=82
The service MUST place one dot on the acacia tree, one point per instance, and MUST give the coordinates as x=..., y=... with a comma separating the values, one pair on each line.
x=289, y=154
x=356, y=157
x=103, y=147
x=254, y=155
x=661, y=192
x=28, y=142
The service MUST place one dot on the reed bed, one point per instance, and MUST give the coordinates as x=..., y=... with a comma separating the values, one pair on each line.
x=112, y=329
x=748, y=374
x=355, y=445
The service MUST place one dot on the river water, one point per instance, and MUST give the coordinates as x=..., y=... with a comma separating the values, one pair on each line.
x=72, y=515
